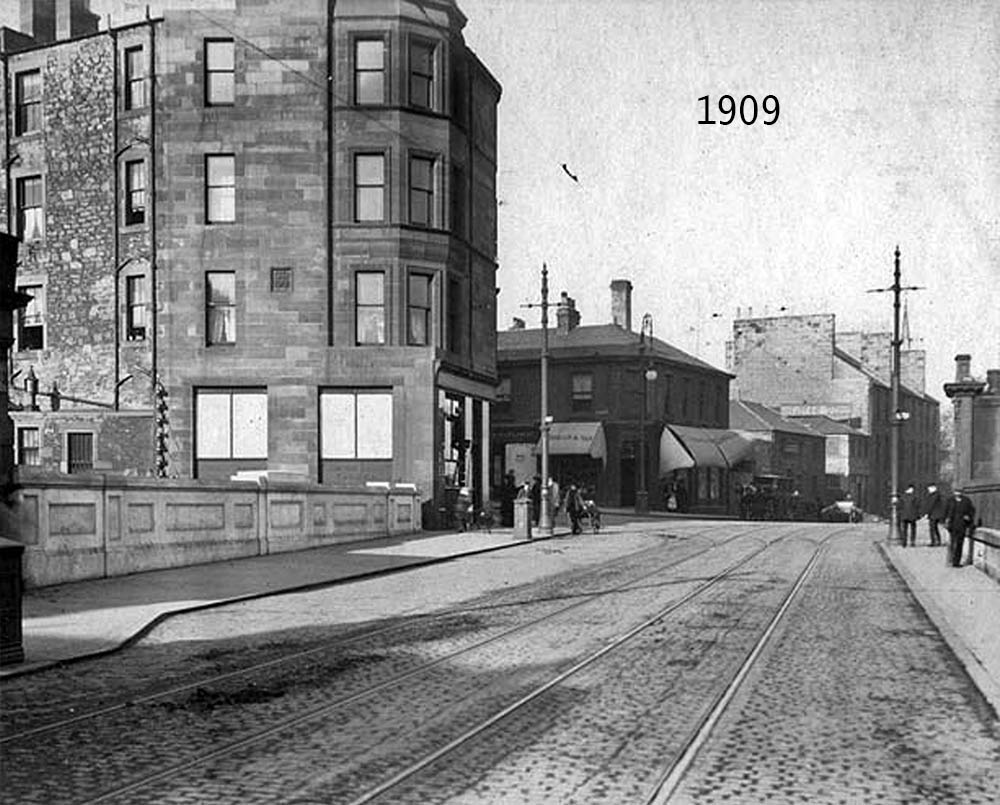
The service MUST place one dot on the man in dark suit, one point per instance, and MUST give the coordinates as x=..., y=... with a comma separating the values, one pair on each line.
x=934, y=504
x=908, y=514
x=959, y=515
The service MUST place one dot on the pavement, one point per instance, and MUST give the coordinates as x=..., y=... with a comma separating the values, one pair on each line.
x=70, y=622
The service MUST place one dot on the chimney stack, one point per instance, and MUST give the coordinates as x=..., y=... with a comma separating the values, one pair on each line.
x=621, y=303
x=567, y=316
x=993, y=381
x=517, y=324
x=963, y=365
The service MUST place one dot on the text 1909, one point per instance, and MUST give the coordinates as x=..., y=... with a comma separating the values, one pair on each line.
x=747, y=108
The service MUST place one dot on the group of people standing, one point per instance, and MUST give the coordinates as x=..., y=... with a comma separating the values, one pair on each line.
x=571, y=502
x=956, y=513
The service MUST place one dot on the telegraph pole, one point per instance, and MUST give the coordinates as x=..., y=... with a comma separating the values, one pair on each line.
x=545, y=509
x=898, y=416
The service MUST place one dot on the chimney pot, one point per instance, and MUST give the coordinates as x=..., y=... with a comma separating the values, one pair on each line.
x=963, y=365
x=567, y=316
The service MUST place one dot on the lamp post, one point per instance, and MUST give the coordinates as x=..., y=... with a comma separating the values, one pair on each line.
x=648, y=374
x=545, y=510
x=898, y=416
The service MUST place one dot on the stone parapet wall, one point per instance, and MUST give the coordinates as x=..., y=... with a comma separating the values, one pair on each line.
x=986, y=550
x=97, y=527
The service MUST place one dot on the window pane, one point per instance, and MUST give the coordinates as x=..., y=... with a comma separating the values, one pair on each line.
x=419, y=208
x=420, y=91
x=219, y=55
x=250, y=425
x=370, y=204
x=136, y=175
x=221, y=170
x=370, y=88
x=31, y=192
x=418, y=327
x=212, y=434
x=370, y=288
x=337, y=425
x=374, y=426
x=370, y=169
x=221, y=204
x=420, y=290
x=420, y=173
x=221, y=88
x=422, y=59
x=369, y=54
x=222, y=288
x=371, y=325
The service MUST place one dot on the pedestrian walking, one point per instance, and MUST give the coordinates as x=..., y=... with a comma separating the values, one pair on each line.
x=554, y=498
x=574, y=508
x=934, y=504
x=959, y=515
x=909, y=513
x=536, y=499
x=463, y=508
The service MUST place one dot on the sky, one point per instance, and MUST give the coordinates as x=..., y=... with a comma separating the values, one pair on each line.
x=888, y=134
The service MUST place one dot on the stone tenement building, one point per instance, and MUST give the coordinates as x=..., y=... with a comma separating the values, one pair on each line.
x=276, y=222
x=801, y=366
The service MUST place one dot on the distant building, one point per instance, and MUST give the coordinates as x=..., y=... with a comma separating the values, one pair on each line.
x=846, y=459
x=257, y=239
x=801, y=366
x=782, y=447
x=596, y=379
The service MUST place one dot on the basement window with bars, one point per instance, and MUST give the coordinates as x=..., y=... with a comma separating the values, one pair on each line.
x=79, y=452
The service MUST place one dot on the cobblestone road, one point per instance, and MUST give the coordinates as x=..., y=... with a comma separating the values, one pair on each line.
x=857, y=699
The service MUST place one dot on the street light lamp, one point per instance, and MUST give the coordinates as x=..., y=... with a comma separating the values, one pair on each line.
x=648, y=376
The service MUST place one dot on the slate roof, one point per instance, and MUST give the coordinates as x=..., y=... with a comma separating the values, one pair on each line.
x=746, y=415
x=596, y=340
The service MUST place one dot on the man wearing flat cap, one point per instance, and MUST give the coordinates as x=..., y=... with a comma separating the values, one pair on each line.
x=959, y=516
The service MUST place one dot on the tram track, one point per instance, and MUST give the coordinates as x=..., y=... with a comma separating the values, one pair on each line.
x=411, y=622
x=323, y=714
x=669, y=778
x=219, y=750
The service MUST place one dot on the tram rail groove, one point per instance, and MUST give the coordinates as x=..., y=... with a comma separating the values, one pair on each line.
x=467, y=736
x=669, y=782
x=261, y=735
x=347, y=641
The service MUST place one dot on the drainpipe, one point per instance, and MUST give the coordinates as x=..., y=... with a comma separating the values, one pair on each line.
x=116, y=190
x=151, y=201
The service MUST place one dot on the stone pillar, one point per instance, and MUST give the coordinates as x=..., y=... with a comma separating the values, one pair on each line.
x=962, y=394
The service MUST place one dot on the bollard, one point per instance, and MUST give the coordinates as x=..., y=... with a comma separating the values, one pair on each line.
x=522, y=518
x=11, y=586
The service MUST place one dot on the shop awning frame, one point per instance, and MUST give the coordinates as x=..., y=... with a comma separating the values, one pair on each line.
x=576, y=439
x=684, y=446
